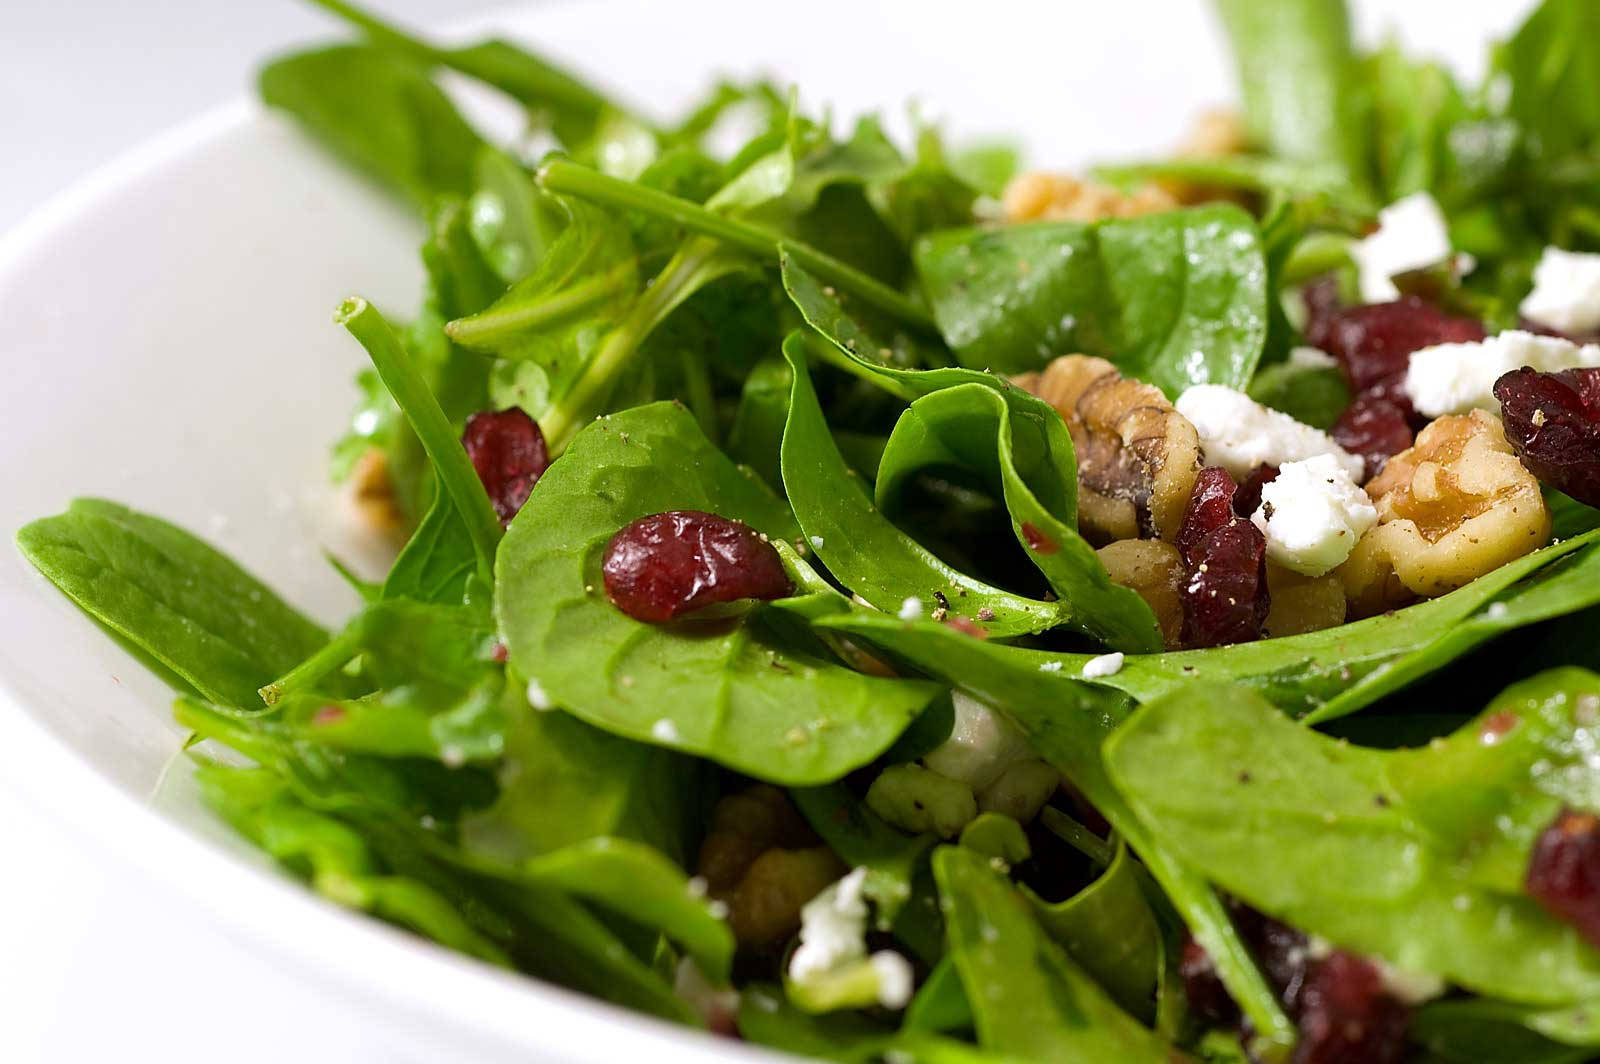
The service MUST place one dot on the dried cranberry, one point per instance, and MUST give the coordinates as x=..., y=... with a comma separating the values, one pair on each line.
x=509, y=453
x=1247, y=500
x=1225, y=598
x=1373, y=343
x=1347, y=1016
x=1208, y=998
x=1279, y=949
x=1038, y=542
x=663, y=566
x=1322, y=303
x=1375, y=428
x=1552, y=421
x=1210, y=507
x=1564, y=873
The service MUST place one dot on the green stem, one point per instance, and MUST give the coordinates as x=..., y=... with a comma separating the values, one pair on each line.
x=565, y=177
x=427, y=419
x=486, y=328
x=1077, y=836
x=338, y=650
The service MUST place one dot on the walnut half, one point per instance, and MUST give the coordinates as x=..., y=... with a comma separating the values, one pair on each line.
x=1040, y=196
x=1154, y=569
x=1137, y=456
x=1456, y=505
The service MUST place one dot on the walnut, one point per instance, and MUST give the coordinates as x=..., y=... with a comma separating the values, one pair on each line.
x=764, y=862
x=1302, y=603
x=1456, y=505
x=1155, y=570
x=1214, y=134
x=372, y=496
x=1137, y=456
x=1039, y=196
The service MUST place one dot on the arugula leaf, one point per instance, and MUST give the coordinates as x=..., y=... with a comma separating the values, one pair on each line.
x=1413, y=855
x=1298, y=76
x=381, y=114
x=1028, y=459
x=1174, y=299
x=1553, y=63
x=172, y=596
x=1416, y=105
x=779, y=712
x=1028, y=997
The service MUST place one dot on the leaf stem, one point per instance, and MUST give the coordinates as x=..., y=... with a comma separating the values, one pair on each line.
x=428, y=420
x=1077, y=836
x=486, y=328
x=334, y=654
x=568, y=178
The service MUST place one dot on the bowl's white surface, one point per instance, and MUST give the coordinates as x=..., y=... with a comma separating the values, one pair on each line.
x=168, y=343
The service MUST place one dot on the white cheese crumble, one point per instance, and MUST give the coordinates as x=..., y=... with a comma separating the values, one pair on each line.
x=833, y=928
x=1050, y=666
x=1312, y=515
x=817, y=541
x=1311, y=358
x=1566, y=291
x=537, y=698
x=1239, y=433
x=1104, y=665
x=910, y=609
x=982, y=745
x=664, y=731
x=1411, y=235
x=895, y=980
x=713, y=1004
x=1455, y=378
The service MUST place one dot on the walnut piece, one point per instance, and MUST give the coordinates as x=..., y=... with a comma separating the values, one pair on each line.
x=1137, y=456
x=1154, y=569
x=1214, y=134
x=372, y=496
x=1039, y=196
x=1456, y=505
x=764, y=862
x=1302, y=604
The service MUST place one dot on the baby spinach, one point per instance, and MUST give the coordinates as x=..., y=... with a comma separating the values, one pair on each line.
x=1174, y=299
x=172, y=596
x=861, y=839
x=1413, y=855
x=1315, y=397
x=1485, y=1031
x=780, y=712
x=1028, y=997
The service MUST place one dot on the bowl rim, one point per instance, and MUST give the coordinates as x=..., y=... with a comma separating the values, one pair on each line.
x=269, y=912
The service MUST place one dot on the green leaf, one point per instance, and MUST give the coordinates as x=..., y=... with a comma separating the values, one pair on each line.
x=1028, y=997
x=1553, y=62
x=1024, y=455
x=437, y=564
x=1484, y=1031
x=1416, y=105
x=381, y=114
x=1174, y=299
x=776, y=711
x=1315, y=397
x=1298, y=78
x=1413, y=855
x=171, y=596
x=862, y=840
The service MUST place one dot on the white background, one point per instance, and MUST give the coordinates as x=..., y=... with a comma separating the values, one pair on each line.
x=95, y=961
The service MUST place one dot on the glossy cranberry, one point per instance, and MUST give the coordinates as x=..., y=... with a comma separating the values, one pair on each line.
x=1203, y=988
x=1372, y=343
x=1347, y=1016
x=1225, y=598
x=1564, y=873
x=1552, y=421
x=663, y=566
x=1247, y=500
x=1375, y=428
x=1210, y=507
x=509, y=453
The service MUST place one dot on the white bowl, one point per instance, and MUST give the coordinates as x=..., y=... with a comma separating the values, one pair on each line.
x=168, y=343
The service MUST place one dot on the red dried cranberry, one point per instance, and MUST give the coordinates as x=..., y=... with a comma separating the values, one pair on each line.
x=1372, y=343
x=1210, y=507
x=663, y=566
x=508, y=451
x=1347, y=1016
x=1037, y=540
x=1375, y=428
x=1564, y=873
x=1208, y=998
x=1225, y=598
x=1552, y=421
x=1279, y=949
x=1247, y=500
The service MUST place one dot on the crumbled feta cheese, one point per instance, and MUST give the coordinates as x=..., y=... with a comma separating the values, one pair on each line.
x=664, y=731
x=1311, y=358
x=1238, y=433
x=817, y=541
x=1566, y=291
x=1312, y=515
x=833, y=929
x=1409, y=987
x=1102, y=666
x=1050, y=666
x=895, y=980
x=1497, y=611
x=910, y=609
x=1455, y=378
x=537, y=698
x=1411, y=235
x=982, y=745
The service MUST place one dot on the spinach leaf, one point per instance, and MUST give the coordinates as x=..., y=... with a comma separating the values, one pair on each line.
x=860, y=546
x=1315, y=397
x=1027, y=458
x=1174, y=299
x=1028, y=997
x=779, y=712
x=438, y=563
x=1484, y=1031
x=1298, y=77
x=172, y=596
x=381, y=114
x=1413, y=855
x=511, y=221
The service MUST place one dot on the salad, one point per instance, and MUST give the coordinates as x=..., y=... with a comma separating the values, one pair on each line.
x=880, y=603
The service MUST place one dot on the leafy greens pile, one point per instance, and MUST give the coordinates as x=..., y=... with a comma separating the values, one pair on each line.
x=808, y=337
